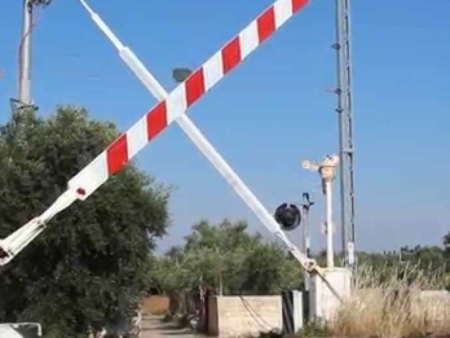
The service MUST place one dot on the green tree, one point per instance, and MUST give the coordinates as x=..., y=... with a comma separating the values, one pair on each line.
x=229, y=259
x=89, y=266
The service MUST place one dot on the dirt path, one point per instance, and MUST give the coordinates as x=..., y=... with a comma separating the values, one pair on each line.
x=154, y=327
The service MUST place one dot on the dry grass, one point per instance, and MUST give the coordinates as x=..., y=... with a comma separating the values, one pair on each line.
x=385, y=305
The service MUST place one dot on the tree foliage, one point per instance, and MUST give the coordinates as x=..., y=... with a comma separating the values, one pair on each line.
x=426, y=257
x=227, y=258
x=89, y=266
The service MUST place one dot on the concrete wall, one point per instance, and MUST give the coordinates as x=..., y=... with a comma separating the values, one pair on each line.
x=433, y=306
x=430, y=306
x=235, y=316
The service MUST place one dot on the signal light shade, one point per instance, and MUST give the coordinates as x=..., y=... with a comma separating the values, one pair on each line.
x=288, y=216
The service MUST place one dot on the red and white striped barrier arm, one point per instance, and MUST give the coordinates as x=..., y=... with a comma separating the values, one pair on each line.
x=127, y=145
x=200, y=141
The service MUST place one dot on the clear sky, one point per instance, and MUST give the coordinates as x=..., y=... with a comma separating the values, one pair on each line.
x=272, y=111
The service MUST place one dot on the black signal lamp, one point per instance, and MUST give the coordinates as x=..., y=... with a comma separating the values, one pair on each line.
x=288, y=216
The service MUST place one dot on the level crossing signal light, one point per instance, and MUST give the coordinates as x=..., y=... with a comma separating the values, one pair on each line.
x=288, y=216
x=181, y=74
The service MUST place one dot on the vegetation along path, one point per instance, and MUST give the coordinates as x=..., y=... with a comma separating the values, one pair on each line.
x=154, y=327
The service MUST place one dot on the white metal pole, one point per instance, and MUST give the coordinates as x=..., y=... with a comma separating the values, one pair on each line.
x=329, y=220
x=326, y=170
x=25, y=54
x=305, y=239
x=305, y=235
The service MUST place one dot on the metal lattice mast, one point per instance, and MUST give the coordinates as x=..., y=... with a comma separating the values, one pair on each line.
x=344, y=93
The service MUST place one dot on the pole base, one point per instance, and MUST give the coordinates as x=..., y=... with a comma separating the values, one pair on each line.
x=17, y=106
x=324, y=302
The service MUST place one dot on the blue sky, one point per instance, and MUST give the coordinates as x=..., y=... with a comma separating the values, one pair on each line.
x=272, y=111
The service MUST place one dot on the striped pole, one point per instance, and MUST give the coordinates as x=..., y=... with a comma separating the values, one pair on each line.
x=158, y=118
x=194, y=134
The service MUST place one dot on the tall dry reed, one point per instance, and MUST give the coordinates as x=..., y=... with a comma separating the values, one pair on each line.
x=403, y=301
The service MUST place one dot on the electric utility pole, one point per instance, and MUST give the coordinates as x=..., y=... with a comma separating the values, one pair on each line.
x=24, y=95
x=25, y=54
x=345, y=114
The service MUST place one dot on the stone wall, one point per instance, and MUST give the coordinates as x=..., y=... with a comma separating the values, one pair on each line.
x=241, y=316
